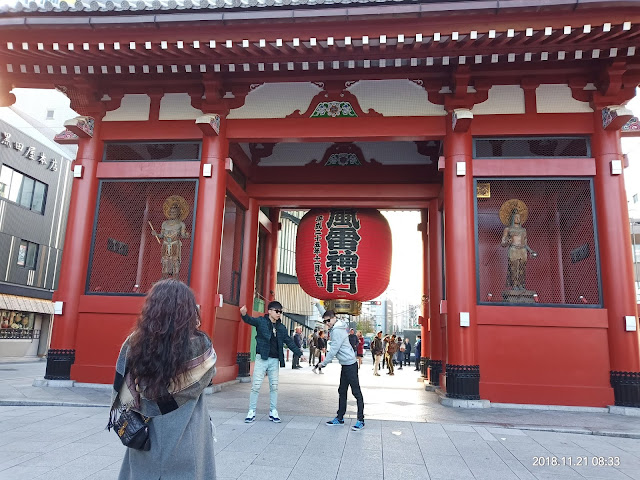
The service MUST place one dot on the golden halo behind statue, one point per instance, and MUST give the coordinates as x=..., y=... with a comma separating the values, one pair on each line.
x=181, y=202
x=507, y=208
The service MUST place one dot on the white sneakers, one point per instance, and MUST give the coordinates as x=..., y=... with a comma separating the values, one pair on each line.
x=251, y=416
x=274, y=417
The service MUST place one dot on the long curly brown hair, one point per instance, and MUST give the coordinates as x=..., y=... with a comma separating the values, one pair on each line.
x=159, y=345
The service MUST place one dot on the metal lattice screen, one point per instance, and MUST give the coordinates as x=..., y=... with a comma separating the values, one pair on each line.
x=126, y=258
x=231, y=253
x=536, y=242
x=531, y=147
x=152, y=151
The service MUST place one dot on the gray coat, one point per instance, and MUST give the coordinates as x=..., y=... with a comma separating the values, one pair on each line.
x=181, y=447
x=181, y=440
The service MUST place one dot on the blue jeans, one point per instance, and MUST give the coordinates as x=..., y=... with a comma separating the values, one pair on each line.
x=271, y=367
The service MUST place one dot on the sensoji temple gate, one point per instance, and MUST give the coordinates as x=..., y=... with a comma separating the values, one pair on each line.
x=500, y=121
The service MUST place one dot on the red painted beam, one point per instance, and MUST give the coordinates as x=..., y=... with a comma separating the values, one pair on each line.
x=374, y=174
x=380, y=196
x=265, y=222
x=336, y=129
x=237, y=192
x=148, y=170
x=541, y=167
x=536, y=124
x=152, y=130
x=354, y=129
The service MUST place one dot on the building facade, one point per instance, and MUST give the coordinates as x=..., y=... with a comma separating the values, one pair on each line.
x=499, y=121
x=35, y=188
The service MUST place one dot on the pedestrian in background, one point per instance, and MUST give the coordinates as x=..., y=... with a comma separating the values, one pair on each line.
x=353, y=340
x=321, y=349
x=392, y=348
x=418, y=351
x=407, y=351
x=271, y=334
x=312, y=345
x=400, y=353
x=385, y=346
x=377, y=351
x=297, y=339
x=161, y=372
x=360, y=348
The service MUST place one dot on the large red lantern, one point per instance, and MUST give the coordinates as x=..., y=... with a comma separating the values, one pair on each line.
x=343, y=256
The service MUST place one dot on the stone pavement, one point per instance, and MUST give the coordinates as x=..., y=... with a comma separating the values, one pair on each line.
x=44, y=433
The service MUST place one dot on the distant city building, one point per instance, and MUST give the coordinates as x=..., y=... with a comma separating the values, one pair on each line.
x=35, y=188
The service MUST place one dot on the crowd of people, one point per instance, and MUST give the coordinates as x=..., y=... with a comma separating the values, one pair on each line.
x=166, y=363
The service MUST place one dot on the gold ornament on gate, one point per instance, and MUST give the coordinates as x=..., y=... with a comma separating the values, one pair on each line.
x=507, y=211
x=351, y=307
x=173, y=229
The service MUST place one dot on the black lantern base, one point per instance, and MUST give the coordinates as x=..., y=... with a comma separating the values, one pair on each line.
x=59, y=364
x=244, y=364
x=435, y=367
x=626, y=388
x=463, y=381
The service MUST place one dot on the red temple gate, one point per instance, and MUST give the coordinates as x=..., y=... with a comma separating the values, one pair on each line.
x=287, y=113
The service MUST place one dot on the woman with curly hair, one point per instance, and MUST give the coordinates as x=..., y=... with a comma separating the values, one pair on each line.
x=161, y=372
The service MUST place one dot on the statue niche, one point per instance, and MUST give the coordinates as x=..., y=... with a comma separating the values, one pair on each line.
x=513, y=213
x=173, y=229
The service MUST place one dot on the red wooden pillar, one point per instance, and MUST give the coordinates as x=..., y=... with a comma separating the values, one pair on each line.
x=424, y=353
x=77, y=245
x=462, y=370
x=435, y=291
x=207, y=239
x=618, y=287
x=272, y=264
x=247, y=285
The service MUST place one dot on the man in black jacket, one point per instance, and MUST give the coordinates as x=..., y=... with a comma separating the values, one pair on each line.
x=353, y=340
x=418, y=352
x=297, y=339
x=270, y=335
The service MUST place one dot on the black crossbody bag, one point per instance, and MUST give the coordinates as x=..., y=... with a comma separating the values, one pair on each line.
x=133, y=428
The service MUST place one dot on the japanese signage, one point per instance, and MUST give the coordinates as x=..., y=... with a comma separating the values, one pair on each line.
x=342, y=243
x=28, y=152
x=343, y=253
x=317, y=259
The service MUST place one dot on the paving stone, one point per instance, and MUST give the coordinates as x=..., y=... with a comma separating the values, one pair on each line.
x=70, y=442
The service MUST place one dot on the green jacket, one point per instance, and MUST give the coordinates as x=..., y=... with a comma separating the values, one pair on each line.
x=263, y=336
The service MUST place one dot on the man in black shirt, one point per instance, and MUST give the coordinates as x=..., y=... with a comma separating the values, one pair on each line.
x=270, y=335
x=353, y=340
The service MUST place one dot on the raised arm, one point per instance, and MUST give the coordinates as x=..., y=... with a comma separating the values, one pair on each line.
x=246, y=318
